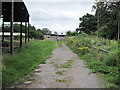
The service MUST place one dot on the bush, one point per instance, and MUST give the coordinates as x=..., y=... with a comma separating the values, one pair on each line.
x=112, y=58
x=103, y=31
x=83, y=34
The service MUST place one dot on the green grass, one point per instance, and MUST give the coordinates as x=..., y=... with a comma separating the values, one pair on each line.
x=60, y=80
x=51, y=63
x=99, y=62
x=24, y=63
x=60, y=72
x=59, y=43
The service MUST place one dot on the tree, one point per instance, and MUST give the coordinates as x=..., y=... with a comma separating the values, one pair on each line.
x=69, y=33
x=46, y=31
x=36, y=34
x=55, y=33
x=88, y=23
x=107, y=14
x=78, y=30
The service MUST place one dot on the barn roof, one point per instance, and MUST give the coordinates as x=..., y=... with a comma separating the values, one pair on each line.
x=20, y=11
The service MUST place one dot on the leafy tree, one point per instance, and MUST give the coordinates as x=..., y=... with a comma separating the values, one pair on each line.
x=108, y=14
x=88, y=23
x=56, y=33
x=37, y=34
x=78, y=30
x=46, y=31
x=69, y=33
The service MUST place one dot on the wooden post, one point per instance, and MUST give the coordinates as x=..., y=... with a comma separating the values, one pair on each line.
x=118, y=30
x=11, y=37
x=21, y=27
x=25, y=32
x=28, y=31
x=21, y=34
x=118, y=25
x=11, y=28
x=3, y=31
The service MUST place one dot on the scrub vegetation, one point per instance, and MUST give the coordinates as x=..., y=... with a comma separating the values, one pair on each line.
x=99, y=54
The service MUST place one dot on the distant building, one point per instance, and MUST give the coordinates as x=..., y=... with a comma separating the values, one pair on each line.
x=55, y=37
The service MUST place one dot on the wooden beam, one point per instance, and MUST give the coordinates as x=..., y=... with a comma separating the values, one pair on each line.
x=3, y=31
x=11, y=28
x=21, y=34
x=11, y=37
x=118, y=30
x=28, y=32
x=25, y=32
x=21, y=27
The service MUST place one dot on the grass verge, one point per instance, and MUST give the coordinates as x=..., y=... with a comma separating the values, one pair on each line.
x=18, y=65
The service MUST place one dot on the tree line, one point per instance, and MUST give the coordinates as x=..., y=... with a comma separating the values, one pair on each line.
x=105, y=23
x=33, y=32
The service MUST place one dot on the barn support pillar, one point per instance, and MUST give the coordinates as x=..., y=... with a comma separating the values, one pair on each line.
x=20, y=34
x=25, y=32
x=28, y=31
x=3, y=31
x=11, y=37
x=11, y=28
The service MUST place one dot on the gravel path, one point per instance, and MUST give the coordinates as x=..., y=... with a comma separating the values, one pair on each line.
x=56, y=74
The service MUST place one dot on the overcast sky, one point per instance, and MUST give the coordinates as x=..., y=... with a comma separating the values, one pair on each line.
x=58, y=15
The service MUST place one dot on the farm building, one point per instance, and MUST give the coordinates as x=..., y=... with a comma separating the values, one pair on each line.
x=55, y=37
x=14, y=11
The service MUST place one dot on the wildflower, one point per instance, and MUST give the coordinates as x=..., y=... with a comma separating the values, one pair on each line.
x=82, y=48
x=86, y=47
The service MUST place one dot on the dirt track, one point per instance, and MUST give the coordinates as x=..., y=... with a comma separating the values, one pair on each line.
x=55, y=73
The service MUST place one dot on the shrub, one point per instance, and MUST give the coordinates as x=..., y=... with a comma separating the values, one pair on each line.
x=112, y=58
x=83, y=34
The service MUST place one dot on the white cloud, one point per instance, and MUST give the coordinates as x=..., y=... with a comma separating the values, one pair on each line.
x=59, y=17
x=61, y=1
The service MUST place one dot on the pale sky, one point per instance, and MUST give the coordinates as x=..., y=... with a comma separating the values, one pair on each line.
x=58, y=15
